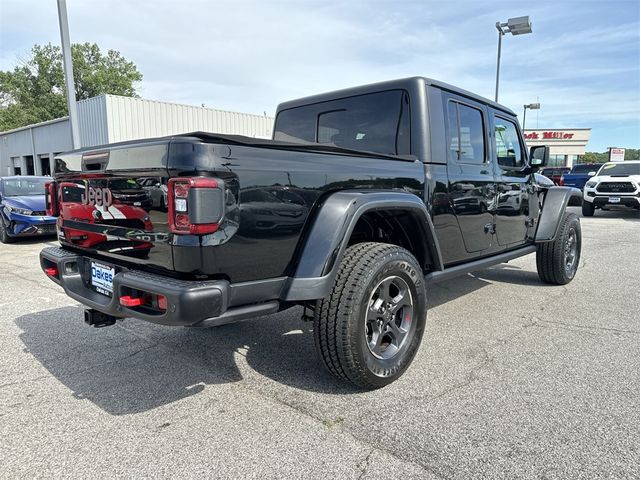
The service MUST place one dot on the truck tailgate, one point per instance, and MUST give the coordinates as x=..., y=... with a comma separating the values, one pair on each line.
x=112, y=202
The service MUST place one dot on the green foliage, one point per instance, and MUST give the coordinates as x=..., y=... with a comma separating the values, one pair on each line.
x=632, y=154
x=594, y=157
x=34, y=91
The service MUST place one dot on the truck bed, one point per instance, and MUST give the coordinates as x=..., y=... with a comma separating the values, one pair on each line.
x=271, y=191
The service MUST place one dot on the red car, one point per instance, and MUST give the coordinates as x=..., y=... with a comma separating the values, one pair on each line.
x=555, y=173
x=118, y=214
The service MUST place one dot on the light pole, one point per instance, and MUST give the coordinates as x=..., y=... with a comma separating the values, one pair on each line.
x=514, y=26
x=68, y=73
x=531, y=106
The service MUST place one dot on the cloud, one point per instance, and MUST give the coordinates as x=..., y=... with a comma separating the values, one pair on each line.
x=248, y=55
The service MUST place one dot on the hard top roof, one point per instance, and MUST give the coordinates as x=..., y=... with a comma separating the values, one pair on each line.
x=402, y=83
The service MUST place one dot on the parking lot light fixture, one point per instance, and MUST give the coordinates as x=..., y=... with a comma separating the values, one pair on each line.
x=531, y=106
x=514, y=26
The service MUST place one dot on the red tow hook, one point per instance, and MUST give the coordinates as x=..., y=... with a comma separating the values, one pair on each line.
x=129, y=301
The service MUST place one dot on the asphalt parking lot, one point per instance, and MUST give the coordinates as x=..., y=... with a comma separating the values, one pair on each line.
x=514, y=379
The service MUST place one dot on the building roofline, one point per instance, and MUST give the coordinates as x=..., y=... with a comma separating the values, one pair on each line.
x=553, y=129
x=181, y=105
x=35, y=125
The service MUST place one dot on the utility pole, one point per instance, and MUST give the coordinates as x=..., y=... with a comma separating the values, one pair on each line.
x=500, y=34
x=68, y=73
x=531, y=106
x=514, y=26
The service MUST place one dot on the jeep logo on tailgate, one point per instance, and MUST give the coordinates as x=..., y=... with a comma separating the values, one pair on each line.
x=100, y=197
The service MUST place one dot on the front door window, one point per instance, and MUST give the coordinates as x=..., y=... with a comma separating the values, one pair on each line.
x=508, y=149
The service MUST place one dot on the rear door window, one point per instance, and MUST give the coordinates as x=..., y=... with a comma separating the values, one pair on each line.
x=466, y=134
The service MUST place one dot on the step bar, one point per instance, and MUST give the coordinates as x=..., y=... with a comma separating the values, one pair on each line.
x=468, y=267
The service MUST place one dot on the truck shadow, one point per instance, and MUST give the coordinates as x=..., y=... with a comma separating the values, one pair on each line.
x=136, y=366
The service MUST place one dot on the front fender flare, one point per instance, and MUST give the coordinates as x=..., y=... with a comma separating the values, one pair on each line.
x=329, y=235
x=555, y=203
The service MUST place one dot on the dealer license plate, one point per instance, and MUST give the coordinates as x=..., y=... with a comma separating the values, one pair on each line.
x=614, y=199
x=102, y=278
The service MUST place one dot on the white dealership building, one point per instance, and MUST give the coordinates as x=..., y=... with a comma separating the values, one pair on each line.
x=566, y=145
x=111, y=118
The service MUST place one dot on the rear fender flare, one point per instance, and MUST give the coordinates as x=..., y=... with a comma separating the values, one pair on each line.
x=555, y=203
x=329, y=234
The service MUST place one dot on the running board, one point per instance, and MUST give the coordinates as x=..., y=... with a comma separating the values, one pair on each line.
x=458, y=270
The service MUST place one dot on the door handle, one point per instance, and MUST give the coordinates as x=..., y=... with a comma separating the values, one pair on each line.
x=490, y=228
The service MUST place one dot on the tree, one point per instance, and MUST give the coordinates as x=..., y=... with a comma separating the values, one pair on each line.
x=34, y=91
x=589, y=157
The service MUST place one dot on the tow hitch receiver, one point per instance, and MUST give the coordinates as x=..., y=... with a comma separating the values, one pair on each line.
x=98, y=319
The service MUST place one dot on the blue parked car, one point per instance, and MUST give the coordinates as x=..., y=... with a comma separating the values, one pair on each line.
x=22, y=208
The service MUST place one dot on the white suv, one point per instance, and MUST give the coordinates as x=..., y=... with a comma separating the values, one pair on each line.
x=615, y=184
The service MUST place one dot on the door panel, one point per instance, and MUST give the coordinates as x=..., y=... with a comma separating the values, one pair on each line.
x=471, y=178
x=512, y=186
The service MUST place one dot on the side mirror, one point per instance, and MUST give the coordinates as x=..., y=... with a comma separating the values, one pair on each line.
x=592, y=174
x=539, y=156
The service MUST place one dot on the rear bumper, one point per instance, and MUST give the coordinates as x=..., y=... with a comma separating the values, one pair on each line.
x=189, y=303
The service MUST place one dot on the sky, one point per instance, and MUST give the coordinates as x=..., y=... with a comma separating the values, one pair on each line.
x=582, y=62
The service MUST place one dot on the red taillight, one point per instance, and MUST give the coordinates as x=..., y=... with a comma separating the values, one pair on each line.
x=162, y=302
x=130, y=301
x=51, y=271
x=189, y=213
x=51, y=199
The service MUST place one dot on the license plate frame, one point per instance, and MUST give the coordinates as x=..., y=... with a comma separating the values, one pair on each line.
x=614, y=199
x=101, y=278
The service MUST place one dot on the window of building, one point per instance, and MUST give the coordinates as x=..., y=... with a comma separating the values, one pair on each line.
x=508, y=149
x=30, y=166
x=557, y=160
x=377, y=122
x=45, y=166
x=15, y=166
x=466, y=134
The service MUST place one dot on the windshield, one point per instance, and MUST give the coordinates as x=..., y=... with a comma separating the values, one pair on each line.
x=620, y=169
x=29, y=186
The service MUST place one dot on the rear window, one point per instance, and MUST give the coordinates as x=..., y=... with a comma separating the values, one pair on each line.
x=376, y=122
x=584, y=168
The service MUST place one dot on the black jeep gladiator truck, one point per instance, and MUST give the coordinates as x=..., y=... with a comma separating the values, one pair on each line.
x=362, y=198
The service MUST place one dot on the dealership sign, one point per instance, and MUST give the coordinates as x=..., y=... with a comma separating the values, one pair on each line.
x=616, y=154
x=556, y=135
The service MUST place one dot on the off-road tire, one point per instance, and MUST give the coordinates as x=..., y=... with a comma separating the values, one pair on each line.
x=341, y=320
x=588, y=209
x=552, y=258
